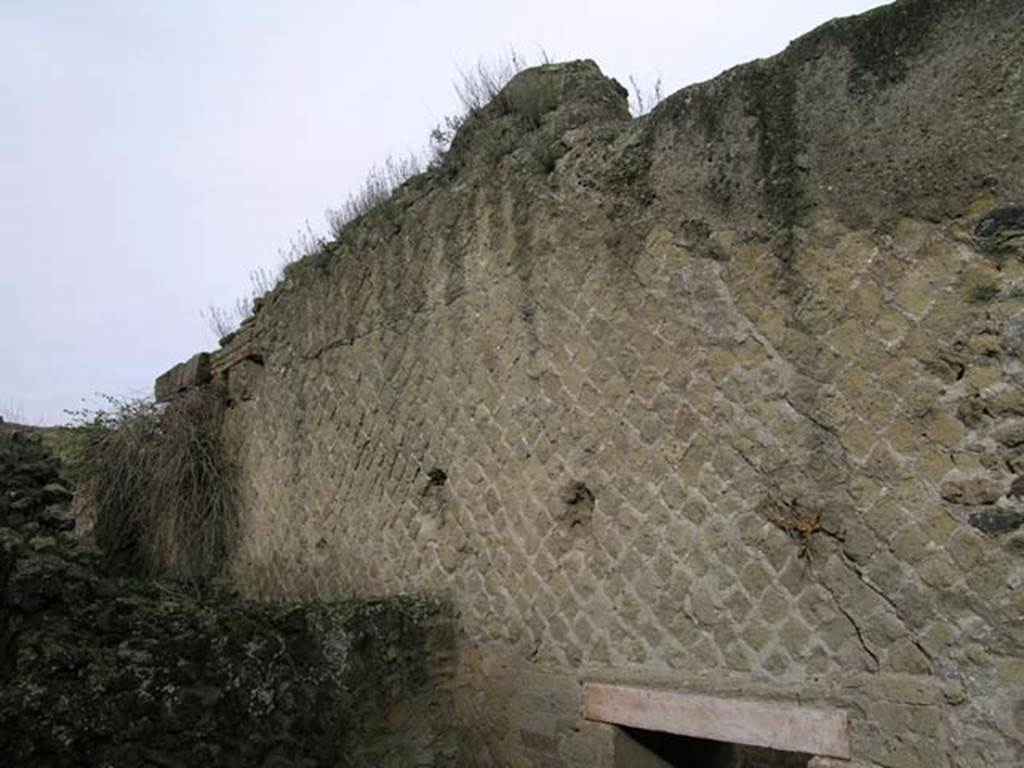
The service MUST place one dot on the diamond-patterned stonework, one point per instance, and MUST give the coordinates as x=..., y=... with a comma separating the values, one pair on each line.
x=706, y=436
x=650, y=414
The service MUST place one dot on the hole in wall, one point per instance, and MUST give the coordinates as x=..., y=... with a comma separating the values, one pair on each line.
x=579, y=505
x=436, y=477
x=637, y=748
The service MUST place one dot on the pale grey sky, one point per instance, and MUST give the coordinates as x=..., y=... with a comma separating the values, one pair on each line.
x=153, y=154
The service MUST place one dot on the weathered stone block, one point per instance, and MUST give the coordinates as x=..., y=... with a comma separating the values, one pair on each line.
x=193, y=372
x=972, y=491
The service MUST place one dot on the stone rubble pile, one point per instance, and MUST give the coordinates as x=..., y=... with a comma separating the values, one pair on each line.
x=34, y=497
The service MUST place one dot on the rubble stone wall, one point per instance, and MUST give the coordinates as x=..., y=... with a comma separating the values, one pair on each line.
x=115, y=672
x=727, y=398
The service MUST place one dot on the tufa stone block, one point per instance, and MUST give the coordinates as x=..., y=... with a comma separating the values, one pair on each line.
x=193, y=372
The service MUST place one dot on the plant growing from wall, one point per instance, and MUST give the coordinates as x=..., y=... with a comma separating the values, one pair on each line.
x=476, y=87
x=160, y=486
x=380, y=182
x=224, y=322
x=642, y=99
x=797, y=522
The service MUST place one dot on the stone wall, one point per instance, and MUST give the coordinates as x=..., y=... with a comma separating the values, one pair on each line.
x=120, y=673
x=723, y=399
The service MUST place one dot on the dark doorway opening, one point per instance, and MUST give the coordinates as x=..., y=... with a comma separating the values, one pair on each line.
x=636, y=748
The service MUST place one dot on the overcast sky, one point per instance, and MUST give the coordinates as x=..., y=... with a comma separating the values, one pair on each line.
x=153, y=154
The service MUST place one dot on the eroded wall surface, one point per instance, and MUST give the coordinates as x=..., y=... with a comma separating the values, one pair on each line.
x=727, y=398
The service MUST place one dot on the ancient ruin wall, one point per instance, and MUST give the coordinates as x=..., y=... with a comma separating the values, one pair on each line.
x=727, y=398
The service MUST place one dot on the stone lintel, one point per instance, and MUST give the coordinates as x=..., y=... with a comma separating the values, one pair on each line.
x=774, y=725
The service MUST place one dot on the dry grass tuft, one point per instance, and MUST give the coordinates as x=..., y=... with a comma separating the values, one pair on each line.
x=380, y=182
x=475, y=87
x=642, y=99
x=162, y=491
